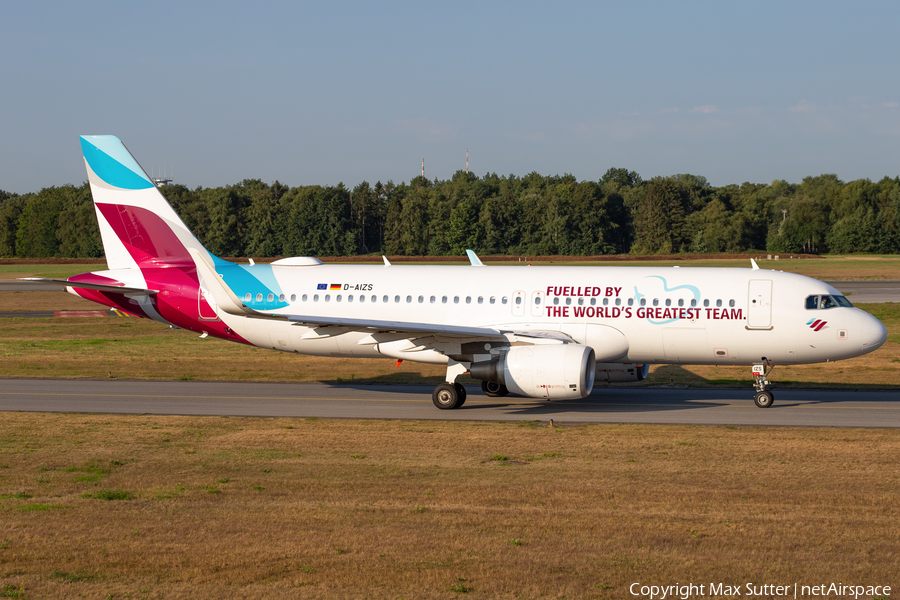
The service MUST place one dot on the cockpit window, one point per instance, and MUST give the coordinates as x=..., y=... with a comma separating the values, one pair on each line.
x=825, y=301
x=842, y=301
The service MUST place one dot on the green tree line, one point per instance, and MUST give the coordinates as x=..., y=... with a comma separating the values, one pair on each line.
x=531, y=215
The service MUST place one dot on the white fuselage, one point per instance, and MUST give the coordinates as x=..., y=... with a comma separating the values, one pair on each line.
x=666, y=315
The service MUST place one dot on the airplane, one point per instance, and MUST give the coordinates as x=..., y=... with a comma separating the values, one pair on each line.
x=546, y=332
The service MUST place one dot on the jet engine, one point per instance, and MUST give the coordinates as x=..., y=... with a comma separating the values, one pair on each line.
x=542, y=371
x=621, y=373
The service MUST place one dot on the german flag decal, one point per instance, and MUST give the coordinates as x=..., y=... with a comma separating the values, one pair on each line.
x=335, y=286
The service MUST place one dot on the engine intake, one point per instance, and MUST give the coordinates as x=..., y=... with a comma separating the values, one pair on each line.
x=542, y=371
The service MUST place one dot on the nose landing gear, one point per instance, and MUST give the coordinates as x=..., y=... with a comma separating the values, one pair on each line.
x=763, y=398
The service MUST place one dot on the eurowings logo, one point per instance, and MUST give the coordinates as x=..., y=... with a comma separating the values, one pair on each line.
x=816, y=324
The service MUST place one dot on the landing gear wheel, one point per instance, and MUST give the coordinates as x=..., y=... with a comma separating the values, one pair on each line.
x=446, y=396
x=764, y=399
x=461, y=393
x=493, y=389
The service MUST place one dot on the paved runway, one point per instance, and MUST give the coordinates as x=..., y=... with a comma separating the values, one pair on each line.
x=869, y=292
x=606, y=405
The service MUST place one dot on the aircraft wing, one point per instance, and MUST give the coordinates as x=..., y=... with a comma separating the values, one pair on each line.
x=119, y=289
x=396, y=326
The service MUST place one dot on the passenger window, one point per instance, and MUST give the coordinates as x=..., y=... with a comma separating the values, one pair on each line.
x=455, y=299
x=432, y=299
x=384, y=299
x=731, y=303
x=606, y=302
x=493, y=300
x=537, y=300
x=444, y=299
x=259, y=297
x=693, y=302
x=681, y=302
x=656, y=302
x=668, y=302
x=718, y=303
x=480, y=300
x=304, y=297
x=281, y=297
x=593, y=302
x=555, y=301
x=706, y=303
x=408, y=299
x=270, y=297
x=643, y=302
x=315, y=298
x=247, y=297
x=580, y=301
x=631, y=302
x=518, y=300
x=396, y=298
x=568, y=301
x=468, y=299
x=350, y=298
x=327, y=297
x=294, y=297
x=421, y=299
x=375, y=298
x=338, y=297
x=618, y=302
x=362, y=297
x=504, y=300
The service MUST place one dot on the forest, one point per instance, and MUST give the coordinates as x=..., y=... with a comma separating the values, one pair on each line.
x=533, y=215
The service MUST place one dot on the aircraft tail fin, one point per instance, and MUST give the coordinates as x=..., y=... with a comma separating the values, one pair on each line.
x=138, y=226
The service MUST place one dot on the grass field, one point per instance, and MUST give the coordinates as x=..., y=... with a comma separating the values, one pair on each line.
x=175, y=507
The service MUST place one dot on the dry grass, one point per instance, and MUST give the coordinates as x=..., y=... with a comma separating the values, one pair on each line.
x=261, y=508
x=25, y=301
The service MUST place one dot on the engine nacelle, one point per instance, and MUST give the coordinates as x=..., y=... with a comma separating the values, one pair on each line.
x=542, y=371
x=621, y=373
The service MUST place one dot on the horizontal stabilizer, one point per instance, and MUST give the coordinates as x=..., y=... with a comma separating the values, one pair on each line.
x=119, y=289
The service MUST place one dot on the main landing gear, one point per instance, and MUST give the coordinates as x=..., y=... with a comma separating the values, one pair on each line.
x=763, y=398
x=448, y=396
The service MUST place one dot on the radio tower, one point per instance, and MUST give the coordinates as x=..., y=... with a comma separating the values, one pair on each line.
x=467, y=161
x=423, y=168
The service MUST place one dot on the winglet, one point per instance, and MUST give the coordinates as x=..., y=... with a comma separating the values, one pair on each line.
x=473, y=258
x=387, y=263
x=755, y=266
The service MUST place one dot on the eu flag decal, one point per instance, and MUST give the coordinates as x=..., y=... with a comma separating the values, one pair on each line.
x=322, y=286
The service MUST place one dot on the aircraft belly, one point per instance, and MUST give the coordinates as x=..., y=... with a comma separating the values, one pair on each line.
x=685, y=344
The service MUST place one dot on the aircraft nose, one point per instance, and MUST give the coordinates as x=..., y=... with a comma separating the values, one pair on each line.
x=872, y=332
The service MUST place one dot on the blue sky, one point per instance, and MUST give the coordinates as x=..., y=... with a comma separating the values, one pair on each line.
x=324, y=92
